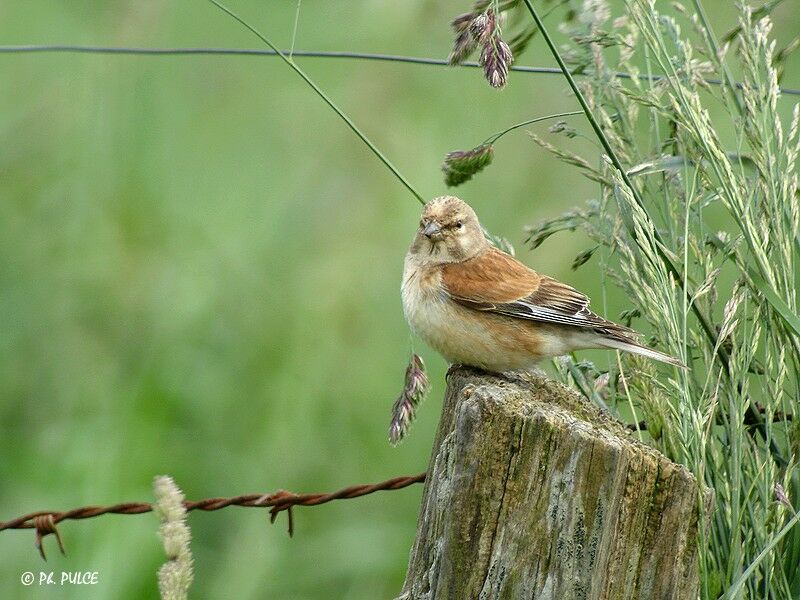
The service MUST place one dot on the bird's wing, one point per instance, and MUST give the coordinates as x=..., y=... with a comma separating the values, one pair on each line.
x=498, y=283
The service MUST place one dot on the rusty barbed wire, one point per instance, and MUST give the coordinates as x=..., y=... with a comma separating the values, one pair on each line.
x=45, y=521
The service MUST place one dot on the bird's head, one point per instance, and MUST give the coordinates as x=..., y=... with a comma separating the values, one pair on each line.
x=449, y=231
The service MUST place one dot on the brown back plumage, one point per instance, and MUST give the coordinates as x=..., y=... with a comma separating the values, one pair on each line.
x=496, y=282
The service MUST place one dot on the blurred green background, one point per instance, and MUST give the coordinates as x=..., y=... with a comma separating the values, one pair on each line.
x=200, y=269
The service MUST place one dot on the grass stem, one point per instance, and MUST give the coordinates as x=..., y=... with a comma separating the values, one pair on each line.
x=361, y=135
x=493, y=138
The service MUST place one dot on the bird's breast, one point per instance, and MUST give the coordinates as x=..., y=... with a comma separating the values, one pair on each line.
x=424, y=300
x=463, y=335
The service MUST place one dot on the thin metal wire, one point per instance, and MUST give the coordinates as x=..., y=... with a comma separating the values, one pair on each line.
x=45, y=521
x=417, y=60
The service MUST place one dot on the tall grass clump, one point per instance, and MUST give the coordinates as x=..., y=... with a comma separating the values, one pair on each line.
x=696, y=219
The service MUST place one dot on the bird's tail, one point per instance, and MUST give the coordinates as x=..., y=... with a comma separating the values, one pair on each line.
x=636, y=348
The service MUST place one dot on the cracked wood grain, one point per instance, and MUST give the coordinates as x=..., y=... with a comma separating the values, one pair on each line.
x=533, y=492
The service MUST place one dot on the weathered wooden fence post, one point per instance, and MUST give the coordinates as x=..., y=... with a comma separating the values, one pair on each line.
x=533, y=492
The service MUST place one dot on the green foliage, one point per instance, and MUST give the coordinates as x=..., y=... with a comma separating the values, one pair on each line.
x=725, y=417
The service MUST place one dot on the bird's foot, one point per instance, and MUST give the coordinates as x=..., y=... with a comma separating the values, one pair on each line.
x=450, y=370
x=477, y=370
x=519, y=377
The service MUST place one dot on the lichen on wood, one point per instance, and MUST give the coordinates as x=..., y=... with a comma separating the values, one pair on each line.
x=533, y=492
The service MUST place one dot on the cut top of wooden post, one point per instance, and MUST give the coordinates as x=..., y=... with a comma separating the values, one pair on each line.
x=534, y=492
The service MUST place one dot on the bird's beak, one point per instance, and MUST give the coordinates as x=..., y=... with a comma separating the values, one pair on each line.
x=432, y=230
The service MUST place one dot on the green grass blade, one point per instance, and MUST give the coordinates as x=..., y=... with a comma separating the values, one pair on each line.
x=342, y=115
x=737, y=586
x=777, y=304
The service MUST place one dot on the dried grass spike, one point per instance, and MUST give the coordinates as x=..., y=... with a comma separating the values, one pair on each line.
x=175, y=576
x=462, y=22
x=782, y=497
x=465, y=43
x=463, y=46
x=496, y=58
x=414, y=391
x=483, y=27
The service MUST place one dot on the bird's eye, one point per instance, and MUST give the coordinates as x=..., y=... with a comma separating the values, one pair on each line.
x=459, y=224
